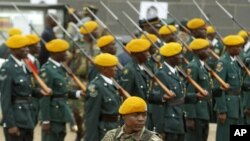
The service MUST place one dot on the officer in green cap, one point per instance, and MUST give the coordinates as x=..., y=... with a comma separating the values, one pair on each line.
x=54, y=109
x=197, y=114
x=102, y=99
x=17, y=92
x=228, y=101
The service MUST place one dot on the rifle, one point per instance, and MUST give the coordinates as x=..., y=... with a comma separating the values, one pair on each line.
x=104, y=26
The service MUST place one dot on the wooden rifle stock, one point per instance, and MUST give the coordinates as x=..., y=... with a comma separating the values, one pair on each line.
x=75, y=78
x=124, y=92
x=34, y=71
x=214, y=54
x=217, y=77
x=190, y=80
x=164, y=88
x=242, y=65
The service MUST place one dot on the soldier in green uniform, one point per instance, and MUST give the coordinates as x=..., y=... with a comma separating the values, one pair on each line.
x=134, y=113
x=33, y=57
x=55, y=111
x=197, y=115
x=228, y=102
x=134, y=78
x=246, y=90
x=16, y=92
x=102, y=99
x=154, y=21
x=4, y=51
x=170, y=123
x=166, y=33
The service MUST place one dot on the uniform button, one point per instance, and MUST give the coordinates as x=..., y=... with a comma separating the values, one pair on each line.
x=169, y=73
x=104, y=129
x=54, y=67
x=233, y=77
x=30, y=95
x=182, y=92
x=173, y=115
x=21, y=80
x=175, y=87
x=105, y=84
x=20, y=107
x=200, y=101
x=60, y=84
x=16, y=66
x=57, y=106
x=110, y=99
x=228, y=99
x=141, y=86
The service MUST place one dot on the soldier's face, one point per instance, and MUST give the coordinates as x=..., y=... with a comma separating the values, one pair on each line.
x=234, y=50
x=135, y=121
x=20, y=53
x=59, y=56
x=141, y=56
x=203, y=53
x=34, y=50
x=168, y=38
x=108, y=71
x=200, y=33
x=109, y=48
x=174, y=60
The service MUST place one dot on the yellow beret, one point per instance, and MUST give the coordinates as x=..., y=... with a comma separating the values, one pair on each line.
x=199, y=43
x=89, y=27
x=17, y=41
x=57, y=45
x=151, y=37
x=233, y=40
x=210, y=30
x=243, y=34
x=106, y=60
x=14, y=31
x=195, y=23
x=138, y=45
x=170, y=49
x=33, y=39
x=105, y=40
x=133, y=104
x=165, y=30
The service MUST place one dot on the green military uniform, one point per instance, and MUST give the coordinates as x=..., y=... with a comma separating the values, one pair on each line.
x=16, y=99
x=246, y=87
x=171, y=117
x=135, y=80
x=218, y=48
x=101, y=108
x=200, y=111
x=229, y=101
x=119, y=135
x=55, y=108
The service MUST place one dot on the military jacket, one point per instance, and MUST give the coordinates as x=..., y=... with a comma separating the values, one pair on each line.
x=16, y=95
x=55, y=107
x=102, y=99
x=135, y=81
x=200, y=75
x=229, y=101
x=246, y=81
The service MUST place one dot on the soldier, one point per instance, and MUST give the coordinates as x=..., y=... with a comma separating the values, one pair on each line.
x=246, y=89
x=16, y=93
x=55, y=111
x=228, y=102
x=48, y=35
x=134, y=113
x=79, y=63
x=246, y=45
x=4, y=51
x=154, y=21
x=167, y=33
x=170, y=122
x=134, y=78
x=33, y=46
x=102, y=99
x=197, y=115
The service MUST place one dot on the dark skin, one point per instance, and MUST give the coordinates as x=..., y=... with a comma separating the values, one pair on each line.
x=87, y=37
x=109, y=72
x=140, y=57
x=233, y=51
x=168, y=38
x=49, y=22
x=109, y=48
x=134, y=122
x=199, y=33
x=34, y=49
x=211, y=36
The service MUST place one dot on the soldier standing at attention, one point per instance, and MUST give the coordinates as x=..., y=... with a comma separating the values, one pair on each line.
x=170, y=124
x=167, y=32
x=197, y=114
x=16, y=92
x=228, y=102
x=102, y=99
x=133, y=77
x=134, y=113
x=55, y=111
x=4, y=51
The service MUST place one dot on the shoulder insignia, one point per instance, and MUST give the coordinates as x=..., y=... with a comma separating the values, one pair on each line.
x=189, y=71
x=125, y=71
x=3, y=77
x=92, y=90
x=219, y=67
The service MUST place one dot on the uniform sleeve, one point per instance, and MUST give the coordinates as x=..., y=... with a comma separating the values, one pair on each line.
x=6, y=101
x=127, y=80
x=220, y=99
x=92, y=112
x=45, y=100
x=109, y=136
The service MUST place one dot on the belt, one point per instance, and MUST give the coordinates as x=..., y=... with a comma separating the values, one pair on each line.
x=59, y=97
x=109, y=118
x=22, y=100
x=176, y=102
x=235, y=92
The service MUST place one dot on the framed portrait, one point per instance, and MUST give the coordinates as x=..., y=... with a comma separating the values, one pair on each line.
x=149, y=9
